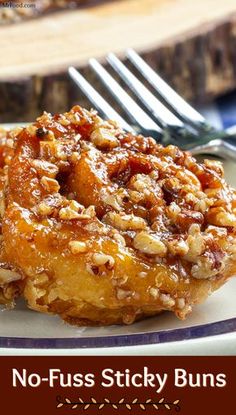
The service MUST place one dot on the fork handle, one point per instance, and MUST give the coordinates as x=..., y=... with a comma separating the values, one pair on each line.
x=220, y=148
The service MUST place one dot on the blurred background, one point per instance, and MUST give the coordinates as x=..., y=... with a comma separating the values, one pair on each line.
x=192, y=44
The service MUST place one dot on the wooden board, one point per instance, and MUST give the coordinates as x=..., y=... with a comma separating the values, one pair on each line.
x=191, y=43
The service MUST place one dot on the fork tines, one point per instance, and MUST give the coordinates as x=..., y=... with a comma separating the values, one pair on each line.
x=163, y=114
x=97, y=100
x=174, y=115
x=174, y=101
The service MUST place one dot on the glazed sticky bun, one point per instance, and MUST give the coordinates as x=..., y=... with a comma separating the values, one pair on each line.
x=103, y=227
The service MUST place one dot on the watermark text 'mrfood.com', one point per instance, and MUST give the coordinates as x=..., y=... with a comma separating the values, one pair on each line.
x=16, y=5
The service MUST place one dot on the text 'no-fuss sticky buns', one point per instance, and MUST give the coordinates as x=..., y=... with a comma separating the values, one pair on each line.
x=105, y=227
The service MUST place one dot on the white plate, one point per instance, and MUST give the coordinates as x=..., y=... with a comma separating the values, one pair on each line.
x=210, y=329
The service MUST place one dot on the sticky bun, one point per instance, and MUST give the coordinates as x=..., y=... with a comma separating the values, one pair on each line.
x=104, y=227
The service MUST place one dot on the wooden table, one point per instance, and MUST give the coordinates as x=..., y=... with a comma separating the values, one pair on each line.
x=191, y=43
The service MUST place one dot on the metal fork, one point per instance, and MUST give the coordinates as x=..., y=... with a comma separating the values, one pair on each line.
x=170, y=120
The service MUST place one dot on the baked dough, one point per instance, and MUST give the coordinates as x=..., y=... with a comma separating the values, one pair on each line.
x=107, y=227
x=11, y=281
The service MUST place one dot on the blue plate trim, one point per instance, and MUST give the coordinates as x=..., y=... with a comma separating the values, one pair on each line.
x=165, y=336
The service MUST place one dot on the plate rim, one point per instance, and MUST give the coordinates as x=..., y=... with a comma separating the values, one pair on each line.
x=138, y=339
